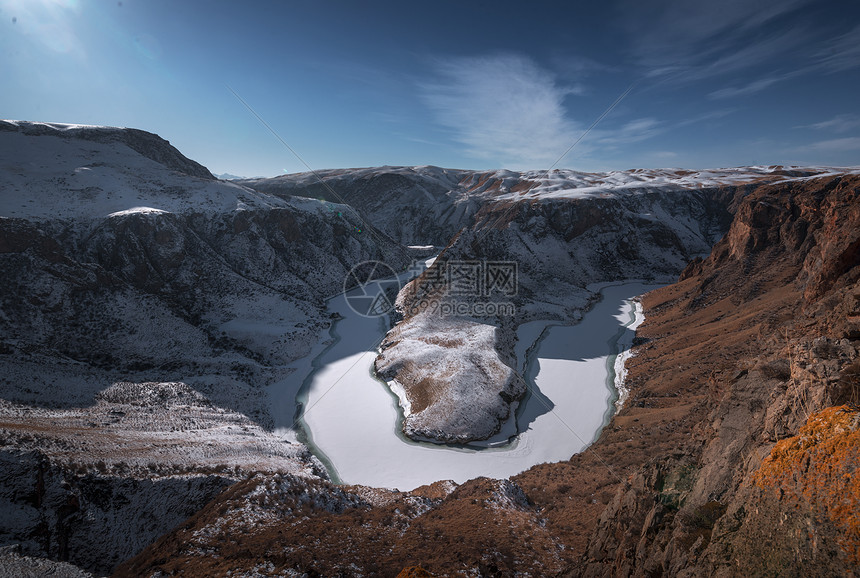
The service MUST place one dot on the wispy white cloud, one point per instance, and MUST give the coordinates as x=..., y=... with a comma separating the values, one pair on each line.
x=642, y=129
x=704, y=38
x=704, y=117
x=631, y=132
x=578, y=66
x=755, y=45
x=504, y=109
x=750, y=88
x=743, y=54
x=835, y=145
x=419, y=140
x=842, y=53
x=509, y=111
x=839, y=123
x=665, y=154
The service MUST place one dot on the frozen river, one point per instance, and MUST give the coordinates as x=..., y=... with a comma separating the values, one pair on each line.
x=351, y=420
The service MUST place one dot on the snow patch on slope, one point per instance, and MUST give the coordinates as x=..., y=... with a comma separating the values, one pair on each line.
x=137, y=211
x=626, y=346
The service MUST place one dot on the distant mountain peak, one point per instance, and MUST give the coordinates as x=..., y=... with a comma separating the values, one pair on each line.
x=229, y=177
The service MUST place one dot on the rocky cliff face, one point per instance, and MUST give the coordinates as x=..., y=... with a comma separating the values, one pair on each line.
x=458, y=387
x=735, y=454
x=94, y=521
x=94, y=485
x=168, y=288
x=144, y=308
x=413, y=205
x=284, y=526
x=777, y=358
x=429, y=205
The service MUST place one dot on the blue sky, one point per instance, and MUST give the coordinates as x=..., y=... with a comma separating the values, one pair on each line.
x=456, y=84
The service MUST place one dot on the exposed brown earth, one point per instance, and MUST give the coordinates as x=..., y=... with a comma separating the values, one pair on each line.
x=281, y=523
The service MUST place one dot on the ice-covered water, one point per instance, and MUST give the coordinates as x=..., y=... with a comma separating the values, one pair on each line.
x=351, y=419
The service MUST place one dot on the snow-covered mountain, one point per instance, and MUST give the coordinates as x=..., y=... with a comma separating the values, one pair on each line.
x=229, y=177
x=413, y=205
x=145, y=306
x=118, y=262
x=429, y=205
x=123, y=262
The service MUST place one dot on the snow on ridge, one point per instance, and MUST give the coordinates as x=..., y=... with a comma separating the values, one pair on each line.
x=138, y=211
x=446, y=177
x=626, y=353
x=60, y=126
x=397, y=388
x=563, y=183
x=505, y=184
x=46, y=176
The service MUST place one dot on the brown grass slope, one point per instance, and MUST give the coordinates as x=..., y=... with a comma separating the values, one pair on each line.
x=749, y=344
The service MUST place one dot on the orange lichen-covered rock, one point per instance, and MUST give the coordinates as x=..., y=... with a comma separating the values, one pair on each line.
x=819, y=466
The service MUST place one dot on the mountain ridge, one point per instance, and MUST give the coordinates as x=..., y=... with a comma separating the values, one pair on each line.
x=142, y=300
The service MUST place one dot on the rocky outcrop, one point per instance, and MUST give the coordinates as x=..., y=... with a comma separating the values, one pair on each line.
x=284, y=526
x=93, y=521
x=802, y=504
x=453, y=383
x=95, y=485
x=783, y=355
x=15, y=565
x=457, y=388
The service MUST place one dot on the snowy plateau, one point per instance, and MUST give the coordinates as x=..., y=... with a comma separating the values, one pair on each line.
x=152, y=317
